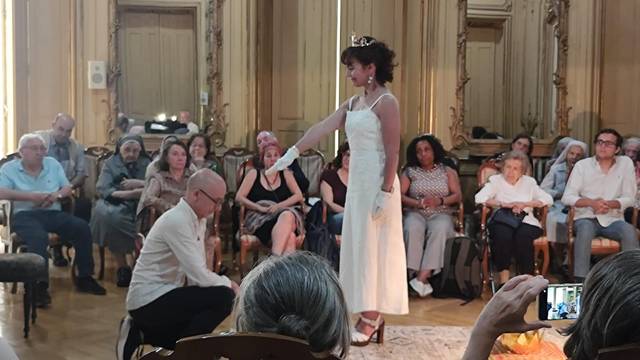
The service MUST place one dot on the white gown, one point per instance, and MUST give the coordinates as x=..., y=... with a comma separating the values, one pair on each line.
x=372, y=256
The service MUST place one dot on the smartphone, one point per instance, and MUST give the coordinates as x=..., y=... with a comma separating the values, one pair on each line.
x=560, y=302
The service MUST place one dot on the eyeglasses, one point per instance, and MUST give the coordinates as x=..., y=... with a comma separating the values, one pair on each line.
x=605, y=143
x=217, y=202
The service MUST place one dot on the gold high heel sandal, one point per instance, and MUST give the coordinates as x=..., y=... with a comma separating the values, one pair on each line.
x=360, y=339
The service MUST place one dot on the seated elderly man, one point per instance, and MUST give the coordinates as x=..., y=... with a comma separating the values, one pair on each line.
x=36, y=183
x=70, y=155
x=172, y=293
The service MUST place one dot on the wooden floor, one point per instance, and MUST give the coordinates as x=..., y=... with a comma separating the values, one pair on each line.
x=81, y=326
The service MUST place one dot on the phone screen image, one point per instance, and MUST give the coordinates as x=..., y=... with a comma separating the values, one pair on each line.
x=560, y=302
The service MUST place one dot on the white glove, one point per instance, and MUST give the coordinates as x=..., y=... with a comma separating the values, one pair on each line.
x=381, y=203
x=284, y=161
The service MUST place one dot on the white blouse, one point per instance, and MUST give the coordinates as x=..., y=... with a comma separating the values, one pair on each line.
x=526, y=189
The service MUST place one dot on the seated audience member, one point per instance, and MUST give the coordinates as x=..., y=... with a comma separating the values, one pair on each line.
x=561, y=144
x=70, y=154
x=631, y=148
x=265, y=137
x=513, y=226
x=162, y=309
x=609, y=312
x=119, y=186
x=200, y=148
x=270, y=202
x=164, y=189
x=333, y=188
x=554, y=184
x=311, y=307
x=522, y=143
x=429, y=189
x=152, y=168
x=184, y=117
x=36, y=183
x=601, y=187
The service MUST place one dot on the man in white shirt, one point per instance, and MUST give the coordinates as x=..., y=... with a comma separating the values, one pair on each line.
x=601, y=188
x=185, y=118
x=172, y=293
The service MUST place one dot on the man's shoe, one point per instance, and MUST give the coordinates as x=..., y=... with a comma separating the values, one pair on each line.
x=124, y=276
x=87, y=284
x=43, y=299
x=129, y=339
x=58, y=258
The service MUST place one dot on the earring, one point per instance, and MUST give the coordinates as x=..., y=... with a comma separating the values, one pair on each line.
x=370, y=79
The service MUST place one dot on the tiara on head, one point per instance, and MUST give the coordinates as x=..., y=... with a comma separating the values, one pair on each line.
x=360, y=41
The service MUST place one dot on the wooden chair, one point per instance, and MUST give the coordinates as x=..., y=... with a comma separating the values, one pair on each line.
x=540, y=245
x=231, y=161
x=250, y=242
x=312, y=164
x=487, y=169
x=600, y=245
x=239, y=346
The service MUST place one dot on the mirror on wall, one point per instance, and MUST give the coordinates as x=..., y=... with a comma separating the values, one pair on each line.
x=511, y=70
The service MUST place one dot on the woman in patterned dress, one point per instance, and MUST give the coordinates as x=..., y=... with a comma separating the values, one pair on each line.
x=429, y=189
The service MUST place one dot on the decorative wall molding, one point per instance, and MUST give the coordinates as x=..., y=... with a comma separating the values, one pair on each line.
x=113, y=74
x=557, y=14
x=216, y=126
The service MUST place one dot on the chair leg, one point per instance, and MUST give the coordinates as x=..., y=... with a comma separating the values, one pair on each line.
x=545, y=260
x=101, y=271
x=28, y=290
x=217, y=256
x=244, y=244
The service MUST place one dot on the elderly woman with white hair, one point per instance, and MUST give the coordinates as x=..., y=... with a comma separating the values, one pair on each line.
x=512, y=227
x=631, y=148
x=310, y=307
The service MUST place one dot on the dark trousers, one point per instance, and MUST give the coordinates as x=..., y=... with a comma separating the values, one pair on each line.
x=34, y=226
x=83, y=209
x=507, y=242
x=183, y=312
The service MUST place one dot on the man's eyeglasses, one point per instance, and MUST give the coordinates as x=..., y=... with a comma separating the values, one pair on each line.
x=218, y=202
x=605, y=143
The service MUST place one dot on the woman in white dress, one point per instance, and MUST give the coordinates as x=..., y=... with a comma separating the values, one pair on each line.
x=372, y=256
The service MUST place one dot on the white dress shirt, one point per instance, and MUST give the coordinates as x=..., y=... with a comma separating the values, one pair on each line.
x=525, y=189
x=172, y=253
x=587, y=180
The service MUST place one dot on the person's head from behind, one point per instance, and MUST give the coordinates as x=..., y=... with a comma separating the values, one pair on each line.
x=425, y=151
x=608, y=143
x=297, y=295
x=205, y=192
x=610, y=307
x=199, y=146
x=342, y=158
x=561, y=144
x=62, y=126
x=368, y=60
x=265, y=136
x=32, y=149
x=515, y=164
x=175, y=156
x=631, y=147
x=523, y=143
x=270, y=152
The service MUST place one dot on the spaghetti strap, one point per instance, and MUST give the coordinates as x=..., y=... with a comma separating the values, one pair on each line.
x=351, y=102
x=378, y=99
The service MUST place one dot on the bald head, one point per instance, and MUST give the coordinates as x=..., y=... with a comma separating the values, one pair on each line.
x=205, y=192
x=62, y=126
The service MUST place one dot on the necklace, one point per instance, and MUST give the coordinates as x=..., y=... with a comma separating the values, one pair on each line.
x=271, y=182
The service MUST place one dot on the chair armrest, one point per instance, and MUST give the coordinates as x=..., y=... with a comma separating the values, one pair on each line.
x=542, y=217
x=484, y=216
x=241, y=218
x=458, y=215
x=570, y=216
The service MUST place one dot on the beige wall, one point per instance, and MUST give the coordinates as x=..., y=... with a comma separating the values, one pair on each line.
x=621, y=67
x=54, y=39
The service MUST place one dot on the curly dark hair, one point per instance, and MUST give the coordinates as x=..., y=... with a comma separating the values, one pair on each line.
x=439, y=154
x=377, y=53
x=524, y=136
x=207, y=142
x=163, y=162
x=337, y=162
